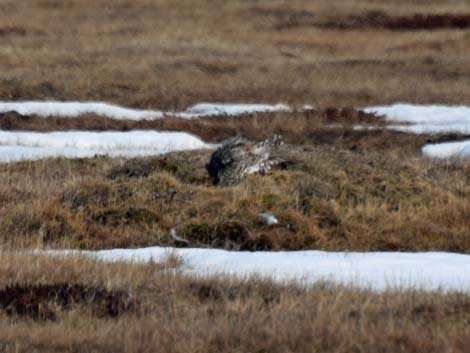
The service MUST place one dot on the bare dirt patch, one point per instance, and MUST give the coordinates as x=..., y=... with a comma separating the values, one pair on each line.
x=417, y=22
x=12, y=31
x=43, y=302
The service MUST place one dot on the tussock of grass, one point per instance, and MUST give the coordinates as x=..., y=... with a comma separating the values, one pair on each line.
x=43, y=302
x=328, y=197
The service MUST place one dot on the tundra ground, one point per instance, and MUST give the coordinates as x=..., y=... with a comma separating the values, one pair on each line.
x=168, y=55
x=148, y=308
x=341, y=188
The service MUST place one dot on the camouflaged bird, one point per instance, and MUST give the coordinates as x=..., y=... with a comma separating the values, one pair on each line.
x=239, y=157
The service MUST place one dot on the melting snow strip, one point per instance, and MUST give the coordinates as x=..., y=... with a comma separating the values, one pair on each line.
x=16, y=146
x=77, y=109
x=432, y=129
x=426, y=119
x=423, y=114
x=419, y=119
x=378, y=271
x=459, y=149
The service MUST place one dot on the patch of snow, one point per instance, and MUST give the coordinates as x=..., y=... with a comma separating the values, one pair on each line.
x=211, y=109
x=308, y=107
x=10, y=154
x=432, y=129
x=459, y=149
x=16, y=146
x=430, y=119
x=76, y=109
x=357, y=127
x=427, y=119
x=378, y=271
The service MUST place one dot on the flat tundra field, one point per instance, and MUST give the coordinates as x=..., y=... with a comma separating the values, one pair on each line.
x=114, y=237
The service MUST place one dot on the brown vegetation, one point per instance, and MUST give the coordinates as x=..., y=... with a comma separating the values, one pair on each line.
x=258, y=126
x=215, y=128
x=343, y=188
x=349, y=190
x=181, y=314
x=158, y=54
x=330, y=126
x=42, y=301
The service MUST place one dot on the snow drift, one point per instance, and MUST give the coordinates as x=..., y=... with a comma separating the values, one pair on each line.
x=77, y=109
x=16, y=146
x=459, y=149
x=379, y=271
x=426, y=119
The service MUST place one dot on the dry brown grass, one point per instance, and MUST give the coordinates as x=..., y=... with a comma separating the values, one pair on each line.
x=347, y=190
x=343, y=189
x=163, y=54
x=180, y=314
x=295, y=126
